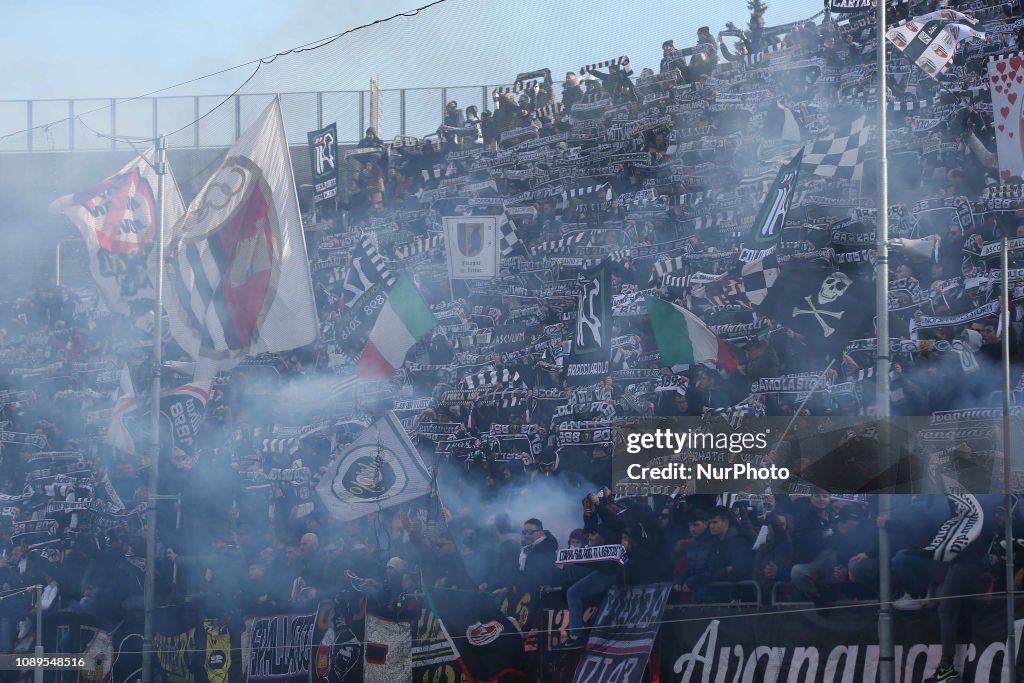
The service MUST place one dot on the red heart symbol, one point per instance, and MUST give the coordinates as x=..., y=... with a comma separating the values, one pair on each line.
x=1004, y=111
x=1001, y=66
x=995, y=79
x=1000, y=127
x=999, y=88
x=1020, y=79
x=1005, y=175
x=1015, y=62
x=1012, y=97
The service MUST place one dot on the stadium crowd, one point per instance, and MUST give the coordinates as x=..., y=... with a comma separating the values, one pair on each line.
x=698, y=140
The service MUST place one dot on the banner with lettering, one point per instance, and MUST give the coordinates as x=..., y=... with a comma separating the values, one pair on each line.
x=814, y=646
x=177, y=646
x=591, y=343
x=277, y=647
x=623, y=634
x=471, y=247
x=323, y=154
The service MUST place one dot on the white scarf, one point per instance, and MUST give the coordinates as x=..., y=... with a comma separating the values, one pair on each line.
x=525, y=550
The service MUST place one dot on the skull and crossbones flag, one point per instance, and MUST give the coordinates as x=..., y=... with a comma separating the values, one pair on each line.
x=825, y=306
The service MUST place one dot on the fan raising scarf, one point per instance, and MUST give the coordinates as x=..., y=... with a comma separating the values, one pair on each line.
x=960, y=530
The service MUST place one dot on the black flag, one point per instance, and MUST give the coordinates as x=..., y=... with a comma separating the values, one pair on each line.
x=488, y=642
x=826, y=306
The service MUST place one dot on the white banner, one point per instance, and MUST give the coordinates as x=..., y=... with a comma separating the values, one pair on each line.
x=472, y=247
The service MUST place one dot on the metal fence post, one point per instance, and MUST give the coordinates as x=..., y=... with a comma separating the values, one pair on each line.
x=319, y=109
x=71, y=125
x=362, y=115
x=401, y=105
x=444, y=103
x=483, y=97
x=113, y=123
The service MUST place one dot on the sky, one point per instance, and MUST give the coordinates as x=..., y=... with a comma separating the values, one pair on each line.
x=104, y=49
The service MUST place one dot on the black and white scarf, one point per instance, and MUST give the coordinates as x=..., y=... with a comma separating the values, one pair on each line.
x=960, y=530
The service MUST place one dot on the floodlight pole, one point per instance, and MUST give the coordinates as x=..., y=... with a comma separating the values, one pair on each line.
x=886, y=661
x=149, y=590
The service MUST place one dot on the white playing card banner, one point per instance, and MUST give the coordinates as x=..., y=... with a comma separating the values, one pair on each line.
x=1006, y=81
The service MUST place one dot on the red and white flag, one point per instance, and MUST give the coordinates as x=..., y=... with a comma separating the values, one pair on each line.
x=237, y=280
x=117, y=220
x=1006, y=82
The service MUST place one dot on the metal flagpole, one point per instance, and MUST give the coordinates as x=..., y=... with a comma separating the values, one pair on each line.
x=1011, y=645
x=149, y=595
x=39, y=652
x=886, y=653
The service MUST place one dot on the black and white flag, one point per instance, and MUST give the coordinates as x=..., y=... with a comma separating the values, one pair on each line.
x=380, y=469
x=509, y=241
x=838, y=156
x=825, y=306
x=758, y=277
x=366, y=270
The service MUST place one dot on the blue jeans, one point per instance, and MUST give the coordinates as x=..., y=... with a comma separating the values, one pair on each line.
x=915, y=571
x=593, y=583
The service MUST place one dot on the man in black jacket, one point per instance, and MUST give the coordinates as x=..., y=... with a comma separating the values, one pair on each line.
x=537, y=557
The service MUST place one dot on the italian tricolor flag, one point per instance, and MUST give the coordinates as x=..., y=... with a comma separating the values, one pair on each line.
x=684, y=339
x=403, y=320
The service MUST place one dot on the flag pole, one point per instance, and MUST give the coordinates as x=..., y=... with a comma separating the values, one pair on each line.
x=149, y=588
x=886, y=663
x=1011, y=646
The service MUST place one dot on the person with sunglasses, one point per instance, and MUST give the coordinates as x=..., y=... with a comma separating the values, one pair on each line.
x=536, y=557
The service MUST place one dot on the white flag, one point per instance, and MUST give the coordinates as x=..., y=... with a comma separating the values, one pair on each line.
x=380, y=469
x=117, y=219
x=237, y=279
